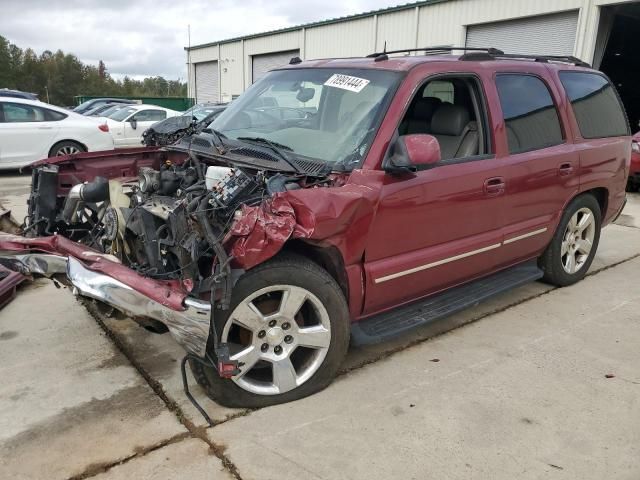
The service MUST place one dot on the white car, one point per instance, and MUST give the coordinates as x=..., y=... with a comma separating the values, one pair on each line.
x=31, y=130
x=127, y=124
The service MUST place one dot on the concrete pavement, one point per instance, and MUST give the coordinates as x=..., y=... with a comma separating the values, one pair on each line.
x=521, y=393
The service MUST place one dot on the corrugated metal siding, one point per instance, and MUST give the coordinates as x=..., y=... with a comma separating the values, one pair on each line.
x=398, y=29
x=207, y=88
x=544, y=35
x=231, y=75
x=444, y=23
x=349, y=39
x=261, y=64
x=278, y=42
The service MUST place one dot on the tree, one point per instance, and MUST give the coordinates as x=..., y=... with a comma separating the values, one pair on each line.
x=64, y=76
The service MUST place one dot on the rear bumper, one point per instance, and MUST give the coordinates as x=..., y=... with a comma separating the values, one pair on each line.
x=94, y=276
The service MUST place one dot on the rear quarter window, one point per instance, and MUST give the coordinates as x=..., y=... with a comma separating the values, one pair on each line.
x=596, y=105
x=53, y=116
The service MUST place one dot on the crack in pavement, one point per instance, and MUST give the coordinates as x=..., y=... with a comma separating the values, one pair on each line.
x=96, y=468
x=193, y=431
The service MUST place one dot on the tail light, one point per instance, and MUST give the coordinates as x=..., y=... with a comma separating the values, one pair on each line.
x=104, y=127
x=635, y=147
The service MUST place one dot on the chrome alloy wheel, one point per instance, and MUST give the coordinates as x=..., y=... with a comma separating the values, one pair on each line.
x=577, y=241
x=280, y=336
x=67, y=150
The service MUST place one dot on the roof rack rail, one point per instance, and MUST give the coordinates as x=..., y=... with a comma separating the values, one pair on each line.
x=516, y=56
x=379, y=56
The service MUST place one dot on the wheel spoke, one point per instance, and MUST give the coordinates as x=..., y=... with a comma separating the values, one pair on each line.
x=249, y=357
x=573, y=223
x=565, y=248
x=584, y=222
x=584, y=246
x=314, y=337
x=292, y=301
x=247, y=315
x=284, y=375
x=570, y=263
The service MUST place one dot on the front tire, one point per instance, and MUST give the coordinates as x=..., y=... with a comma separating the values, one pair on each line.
x=573, y=247
x=288, y=324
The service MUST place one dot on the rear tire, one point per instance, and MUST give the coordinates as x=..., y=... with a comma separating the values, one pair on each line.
x=66, y=147
x=569, y=255
x=288, y=322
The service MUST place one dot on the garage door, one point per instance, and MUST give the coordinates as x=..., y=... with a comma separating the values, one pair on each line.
x=261, y=64
x=544, y=35
x=207, y=82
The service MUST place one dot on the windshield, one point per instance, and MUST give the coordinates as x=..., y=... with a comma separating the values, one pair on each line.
x=325, y=114
x=122, y=113
x=199, y=113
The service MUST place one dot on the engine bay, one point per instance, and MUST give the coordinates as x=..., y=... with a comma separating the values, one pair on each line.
x=168, y=223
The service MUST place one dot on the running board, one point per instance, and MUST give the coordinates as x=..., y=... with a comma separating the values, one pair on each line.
x=396, y=322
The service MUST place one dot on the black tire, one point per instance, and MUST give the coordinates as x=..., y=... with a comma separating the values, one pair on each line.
x=285, y=269
x=59, y=148
x=551, y=260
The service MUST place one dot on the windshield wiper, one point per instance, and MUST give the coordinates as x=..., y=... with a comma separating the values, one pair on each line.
x=278, y=148
x=222, y=148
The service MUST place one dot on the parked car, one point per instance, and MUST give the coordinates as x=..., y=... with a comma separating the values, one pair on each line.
x=96, y=102
x=5, y=92
x=634, y=171
x=103, y=110
x=127, y=124
x=192, y=121
x=32, y=130
x=411, y=187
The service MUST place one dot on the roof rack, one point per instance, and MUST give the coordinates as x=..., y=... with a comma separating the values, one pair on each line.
x=380, y=56
x=516, y=56
x=489, y=53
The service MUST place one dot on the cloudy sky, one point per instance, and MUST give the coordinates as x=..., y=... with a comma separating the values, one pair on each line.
x=146, y=37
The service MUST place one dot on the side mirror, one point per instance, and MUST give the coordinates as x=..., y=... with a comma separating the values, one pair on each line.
x=134, y=123
x=412, y=151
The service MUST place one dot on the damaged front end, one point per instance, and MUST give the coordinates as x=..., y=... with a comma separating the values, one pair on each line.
x=167, y=244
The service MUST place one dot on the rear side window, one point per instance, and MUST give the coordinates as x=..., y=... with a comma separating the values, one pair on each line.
x=530, y=115
x=53, y=116
x=595, y=105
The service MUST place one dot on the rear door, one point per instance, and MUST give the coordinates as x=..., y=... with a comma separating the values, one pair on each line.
x=26, y=133
x=541, y=163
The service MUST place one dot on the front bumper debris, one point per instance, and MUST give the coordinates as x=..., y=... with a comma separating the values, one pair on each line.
x=99, y=277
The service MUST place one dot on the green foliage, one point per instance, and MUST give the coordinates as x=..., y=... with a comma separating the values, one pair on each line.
x=65, y=76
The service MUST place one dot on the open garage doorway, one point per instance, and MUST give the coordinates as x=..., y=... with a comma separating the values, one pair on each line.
x=617, y=54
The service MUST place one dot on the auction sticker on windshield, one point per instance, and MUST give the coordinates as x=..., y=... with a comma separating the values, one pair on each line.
x=347, y=82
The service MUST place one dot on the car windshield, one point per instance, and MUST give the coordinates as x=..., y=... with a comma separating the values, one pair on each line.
x=200, y=113
x=320, y=113
x=122, y=113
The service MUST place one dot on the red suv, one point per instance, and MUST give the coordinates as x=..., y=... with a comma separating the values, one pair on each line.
x=335, y=200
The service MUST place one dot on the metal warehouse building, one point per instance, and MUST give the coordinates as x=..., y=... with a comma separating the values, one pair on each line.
x=600, y=32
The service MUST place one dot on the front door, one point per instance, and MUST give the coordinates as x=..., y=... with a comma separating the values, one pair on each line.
x=441, y=226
